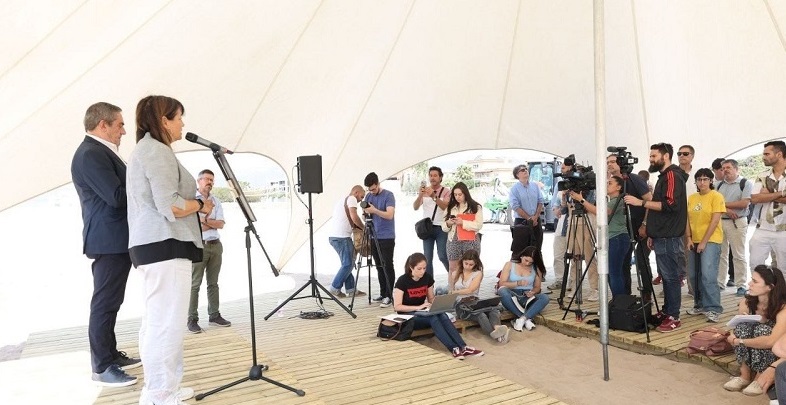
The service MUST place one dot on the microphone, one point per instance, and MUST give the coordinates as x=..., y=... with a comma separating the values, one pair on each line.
x=192, y=137
x=614, y=149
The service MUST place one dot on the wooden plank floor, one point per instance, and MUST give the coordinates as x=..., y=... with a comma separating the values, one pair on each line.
x=337, y=360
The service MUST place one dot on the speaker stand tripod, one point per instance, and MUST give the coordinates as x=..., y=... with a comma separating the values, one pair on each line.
x=312, y=280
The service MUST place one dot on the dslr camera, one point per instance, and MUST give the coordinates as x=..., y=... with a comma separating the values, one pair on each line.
x=625, y=160
x=579, y=179
x=364, y=205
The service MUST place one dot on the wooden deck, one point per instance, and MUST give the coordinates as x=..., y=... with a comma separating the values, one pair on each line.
x=337, y=360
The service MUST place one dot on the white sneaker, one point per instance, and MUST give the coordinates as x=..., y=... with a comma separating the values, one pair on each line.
x=594, y=296
x=498, y=332
x=385, y=303
x=529, y=324
x=504, y=339
x=185, y=393
x=518, y=324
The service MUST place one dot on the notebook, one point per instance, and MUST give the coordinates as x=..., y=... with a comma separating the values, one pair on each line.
x=442, y=303
x=485, y=303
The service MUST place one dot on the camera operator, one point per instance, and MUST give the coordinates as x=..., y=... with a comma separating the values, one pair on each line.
x=380, y=206
x=526, y=203
x=637, y=187
x=579, y=192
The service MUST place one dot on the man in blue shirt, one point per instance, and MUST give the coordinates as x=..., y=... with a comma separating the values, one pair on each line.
x=526, y=204
x=382, y=208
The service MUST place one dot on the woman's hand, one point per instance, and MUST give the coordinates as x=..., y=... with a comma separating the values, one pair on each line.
x=689, y=244
x=529, y=294
x=701, y=246
x=426, y=305
x=458, y=221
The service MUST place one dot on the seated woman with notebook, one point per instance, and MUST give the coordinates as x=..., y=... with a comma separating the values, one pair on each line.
x=414, y=291
x=753, y=341
x=520, y=287
x=467, y=282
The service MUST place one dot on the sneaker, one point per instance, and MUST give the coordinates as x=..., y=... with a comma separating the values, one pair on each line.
x=669, y=324
x=358, y=293
x=113, y=376
x=125, y=362
x=498, y=332
x=378, y=298
x=695, y=311
x=657, y=280
x=713, y=317
x=505, y=338
x=594, y=296
x=385, y=303
x=529, y=324
x=736, y=384
x=471, y=351
x=193, y=326
x=741, y=292
x=518, y=324
x=338, y=294
x=218, y=320
x=458, y=353
x=185, y=393
x=730, y=283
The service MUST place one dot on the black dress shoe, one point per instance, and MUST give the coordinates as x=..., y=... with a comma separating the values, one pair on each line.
x=113, y=376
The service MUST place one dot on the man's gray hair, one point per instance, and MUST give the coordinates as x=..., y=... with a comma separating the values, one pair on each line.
x=732, y=162
x=98, y=112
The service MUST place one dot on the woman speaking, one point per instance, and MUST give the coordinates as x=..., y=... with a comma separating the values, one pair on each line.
x=164, y=239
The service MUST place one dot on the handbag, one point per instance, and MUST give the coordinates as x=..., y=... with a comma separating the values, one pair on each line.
x=424, y=227
x=710, y=341
x=625, y=313
x=390, y=330
x=357, y=235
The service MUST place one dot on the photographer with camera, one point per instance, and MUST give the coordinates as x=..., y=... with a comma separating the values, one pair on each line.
x=618, y=164
x=526, y=203
x=578, y=185
x=380, y=207
x=434, y=198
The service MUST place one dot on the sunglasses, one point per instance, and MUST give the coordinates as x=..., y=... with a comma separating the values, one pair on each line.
x=683, y=153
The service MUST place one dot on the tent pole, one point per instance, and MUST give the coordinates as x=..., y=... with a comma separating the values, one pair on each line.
x=600, y=158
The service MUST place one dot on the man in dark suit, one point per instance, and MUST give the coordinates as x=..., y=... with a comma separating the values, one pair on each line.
x=99, y=175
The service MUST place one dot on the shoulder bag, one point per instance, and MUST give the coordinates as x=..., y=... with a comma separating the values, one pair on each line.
x=424, y=227
x=357, y=235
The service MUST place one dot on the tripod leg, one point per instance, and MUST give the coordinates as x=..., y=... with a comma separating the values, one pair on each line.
x=316, y=285
x=290, y=298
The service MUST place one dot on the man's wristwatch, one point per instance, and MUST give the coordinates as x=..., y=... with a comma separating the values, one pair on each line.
x=643, y=202
x=201, y=204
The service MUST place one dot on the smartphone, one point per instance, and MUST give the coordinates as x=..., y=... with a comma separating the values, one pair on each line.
x=452, y=217
x=423, y=184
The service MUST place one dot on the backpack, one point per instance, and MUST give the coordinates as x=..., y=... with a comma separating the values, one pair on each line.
x=709, y=341
x=742, y=187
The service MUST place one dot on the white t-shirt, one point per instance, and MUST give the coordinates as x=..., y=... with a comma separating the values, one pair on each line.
x=339, y=223
x=429, y=204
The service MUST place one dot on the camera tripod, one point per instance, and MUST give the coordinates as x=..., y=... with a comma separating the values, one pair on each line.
x=369, y=238
x=579, y=216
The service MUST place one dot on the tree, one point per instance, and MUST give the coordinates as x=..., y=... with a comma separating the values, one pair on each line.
x=464, y=174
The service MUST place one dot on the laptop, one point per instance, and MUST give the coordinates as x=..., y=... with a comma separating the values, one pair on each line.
x=486, y=303
x=441, y=304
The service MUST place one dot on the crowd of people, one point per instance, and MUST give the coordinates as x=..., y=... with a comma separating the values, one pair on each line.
x=152, y=214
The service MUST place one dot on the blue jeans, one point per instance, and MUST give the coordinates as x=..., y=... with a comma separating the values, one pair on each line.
x=668, y=256
x=707, y=294
x=443, y=329
x=439, y=237
x=344, y=247
x=619, y=252
x=507, y=295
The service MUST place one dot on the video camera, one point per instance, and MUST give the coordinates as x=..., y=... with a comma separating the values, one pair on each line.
x=625, y=160
x=579, y=179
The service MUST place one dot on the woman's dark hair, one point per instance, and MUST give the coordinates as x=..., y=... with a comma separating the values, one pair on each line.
x=704, y=172
x=413, y=261
x=473, y=255
x=537, y=258
x=777, y=296
x=619, y=181
x=472, y=206
x=149, y=112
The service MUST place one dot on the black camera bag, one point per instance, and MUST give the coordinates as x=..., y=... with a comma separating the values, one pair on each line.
x=625, y=314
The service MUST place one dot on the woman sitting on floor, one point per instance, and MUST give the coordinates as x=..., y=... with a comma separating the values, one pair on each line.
x=520, y=282
x=467, y=285
x=753, y=341
x=415, y=291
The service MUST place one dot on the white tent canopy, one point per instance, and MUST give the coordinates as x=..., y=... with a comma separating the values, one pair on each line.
x=381, y=85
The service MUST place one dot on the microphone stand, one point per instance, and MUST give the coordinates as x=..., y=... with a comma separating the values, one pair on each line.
x=255, y=373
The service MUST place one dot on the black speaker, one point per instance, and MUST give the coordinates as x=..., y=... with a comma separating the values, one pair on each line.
x=309, y=174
